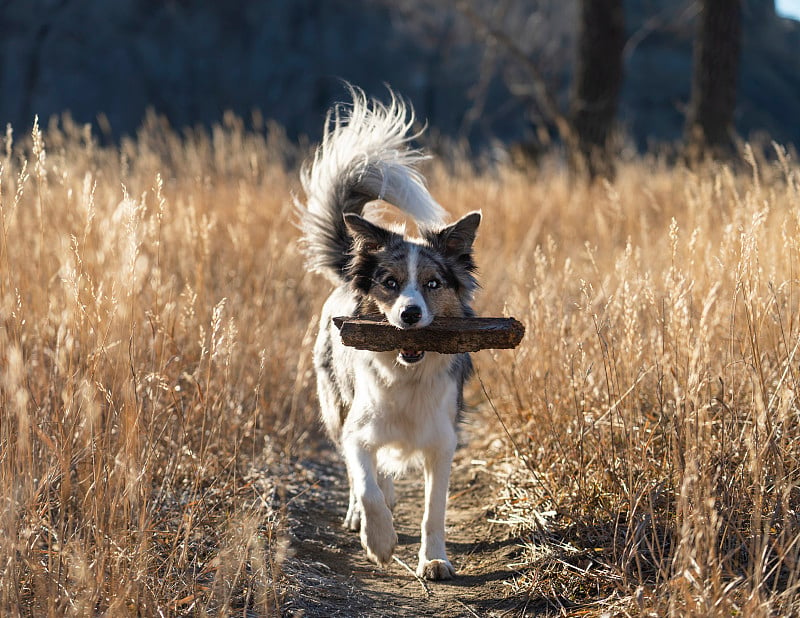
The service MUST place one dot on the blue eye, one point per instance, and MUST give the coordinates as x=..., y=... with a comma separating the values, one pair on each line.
x=391, y=283
x=434, y=284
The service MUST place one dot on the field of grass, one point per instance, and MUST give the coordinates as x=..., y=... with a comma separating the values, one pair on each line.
x=155, y=329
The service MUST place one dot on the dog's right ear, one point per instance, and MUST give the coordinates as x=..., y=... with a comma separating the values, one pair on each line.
x=366, y=236
x=456, y=239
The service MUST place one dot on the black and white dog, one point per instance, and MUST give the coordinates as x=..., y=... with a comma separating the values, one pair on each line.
x=387, y=411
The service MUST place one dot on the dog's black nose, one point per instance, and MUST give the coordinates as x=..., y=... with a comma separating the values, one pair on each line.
x=411, y=314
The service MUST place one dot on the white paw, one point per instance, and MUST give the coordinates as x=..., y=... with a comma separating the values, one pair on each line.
x=352, y=521
x=378, y=537
x=435, y=569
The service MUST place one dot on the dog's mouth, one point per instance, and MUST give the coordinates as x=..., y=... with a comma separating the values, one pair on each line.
x=411, y=356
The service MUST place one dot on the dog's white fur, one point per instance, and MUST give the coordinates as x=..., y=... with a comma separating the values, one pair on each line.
x=387, y=411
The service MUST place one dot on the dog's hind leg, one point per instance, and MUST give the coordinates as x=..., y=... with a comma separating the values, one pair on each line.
x=352, y=521
x=386, y=484
x=433, y=562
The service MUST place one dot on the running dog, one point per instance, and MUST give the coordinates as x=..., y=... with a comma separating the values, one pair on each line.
x=386, y=411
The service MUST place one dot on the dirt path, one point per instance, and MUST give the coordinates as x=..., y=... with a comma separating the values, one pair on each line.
x=330, y=574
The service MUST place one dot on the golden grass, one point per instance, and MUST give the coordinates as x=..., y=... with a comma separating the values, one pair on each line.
x=155, y=329
x=653, y=403
x=150, y=299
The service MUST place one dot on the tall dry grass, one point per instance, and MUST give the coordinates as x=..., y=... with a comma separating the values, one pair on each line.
x=154, y=374
x=151, y=310
x=653, y=405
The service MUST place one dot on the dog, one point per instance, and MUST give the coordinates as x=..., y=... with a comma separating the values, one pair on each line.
x=386, y=411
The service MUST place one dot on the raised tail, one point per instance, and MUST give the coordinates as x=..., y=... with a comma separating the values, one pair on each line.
x=364, y=155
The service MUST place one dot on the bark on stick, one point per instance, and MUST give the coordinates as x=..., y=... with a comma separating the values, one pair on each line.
x=444, y=335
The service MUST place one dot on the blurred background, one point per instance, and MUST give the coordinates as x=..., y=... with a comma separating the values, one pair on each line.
x=525, y=72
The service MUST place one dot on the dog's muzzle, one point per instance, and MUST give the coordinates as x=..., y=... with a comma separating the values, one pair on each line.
x=411, y=315
x=409, y=357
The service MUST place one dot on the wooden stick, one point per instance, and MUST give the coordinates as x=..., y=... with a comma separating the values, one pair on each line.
x=444, y=335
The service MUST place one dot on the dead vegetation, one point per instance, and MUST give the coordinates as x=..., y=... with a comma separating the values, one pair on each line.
x=155, y=326
x=652, y=405
x=148, y=371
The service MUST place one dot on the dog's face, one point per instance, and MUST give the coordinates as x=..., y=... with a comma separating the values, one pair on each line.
x=412, y=281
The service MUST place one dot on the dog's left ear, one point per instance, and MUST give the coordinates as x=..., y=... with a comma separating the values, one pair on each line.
x=366, y=235
x=457, y=239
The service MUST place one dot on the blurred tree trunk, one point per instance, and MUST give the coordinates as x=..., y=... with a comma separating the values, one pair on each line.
x=598, y=80
x=709, y=126
x=759, y=11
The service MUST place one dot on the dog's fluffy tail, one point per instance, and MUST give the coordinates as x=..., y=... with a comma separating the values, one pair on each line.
x=364, y=155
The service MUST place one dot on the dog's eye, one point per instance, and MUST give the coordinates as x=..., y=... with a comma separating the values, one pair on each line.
x=434, y=284
x=391, y=283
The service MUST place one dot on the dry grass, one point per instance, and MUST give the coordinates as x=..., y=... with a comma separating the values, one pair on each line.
x=155, y=323
x=152, y=311
x=653, y=405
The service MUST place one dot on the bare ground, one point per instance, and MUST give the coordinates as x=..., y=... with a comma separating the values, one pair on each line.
x=330, y=576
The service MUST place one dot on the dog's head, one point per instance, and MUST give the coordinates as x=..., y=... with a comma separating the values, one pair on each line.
x=411, y=281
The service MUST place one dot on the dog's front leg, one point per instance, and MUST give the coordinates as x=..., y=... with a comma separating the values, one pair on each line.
x=433, y=562
x=378, y=537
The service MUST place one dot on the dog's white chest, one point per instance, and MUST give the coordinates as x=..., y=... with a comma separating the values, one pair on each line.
x=411, y=413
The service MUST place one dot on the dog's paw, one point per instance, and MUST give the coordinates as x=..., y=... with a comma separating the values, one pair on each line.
x=378, y=537
x=435, y=569
x=352, y=521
